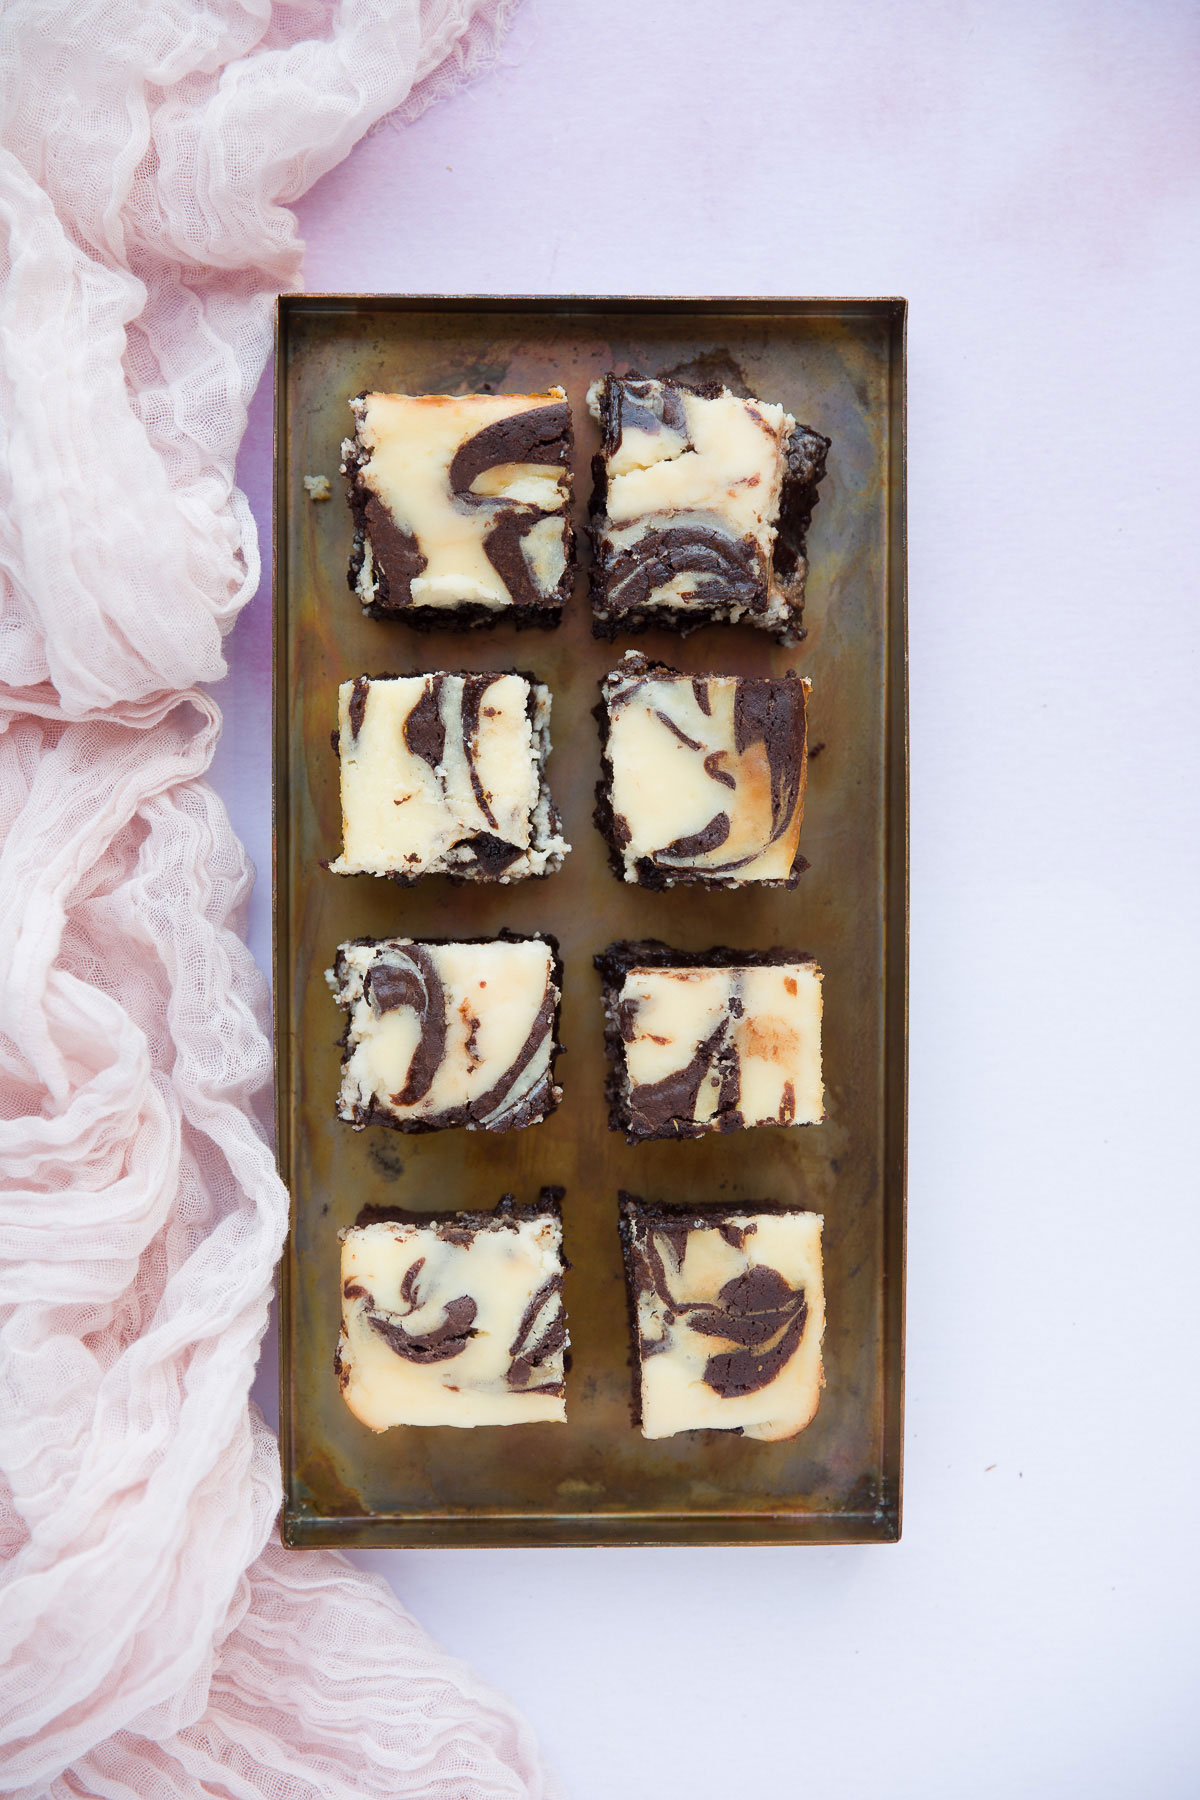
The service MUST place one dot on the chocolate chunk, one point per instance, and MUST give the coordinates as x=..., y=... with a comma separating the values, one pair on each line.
x=492, y=854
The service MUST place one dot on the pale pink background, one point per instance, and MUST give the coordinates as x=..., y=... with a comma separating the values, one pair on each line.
x=1027, y=175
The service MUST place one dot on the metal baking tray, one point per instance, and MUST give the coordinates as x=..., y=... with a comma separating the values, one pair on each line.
x=837, y=365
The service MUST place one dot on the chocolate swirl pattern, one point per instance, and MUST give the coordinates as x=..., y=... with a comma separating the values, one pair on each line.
x=448, y=1338
x=445, y=774
x=711, y=1041
x=459, y=505
x=440, y=1035
x=539, y=1341
x=455, y=1320
x=703, y=776
x=701, y=504
x=728, y=1310
x=760, y=1314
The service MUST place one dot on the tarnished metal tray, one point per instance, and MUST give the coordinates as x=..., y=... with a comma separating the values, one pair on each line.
x=839, y=366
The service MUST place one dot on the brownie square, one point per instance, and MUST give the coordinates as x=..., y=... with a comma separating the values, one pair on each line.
x=454, y=1033
x=455, y=1320
x=701, y=505
x=704, y=776
x=445, y=775
x=714, y=1040
x=727, y=1309
x=460, y=507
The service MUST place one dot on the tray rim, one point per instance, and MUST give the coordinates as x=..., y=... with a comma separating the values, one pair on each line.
x=483, y=1530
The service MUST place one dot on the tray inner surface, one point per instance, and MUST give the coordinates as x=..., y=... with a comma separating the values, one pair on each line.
x=836, y=366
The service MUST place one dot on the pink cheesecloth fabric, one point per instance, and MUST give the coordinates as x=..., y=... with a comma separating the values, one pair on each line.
x=155, y=1640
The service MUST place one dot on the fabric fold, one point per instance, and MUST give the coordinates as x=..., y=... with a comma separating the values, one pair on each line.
x=154, y=1637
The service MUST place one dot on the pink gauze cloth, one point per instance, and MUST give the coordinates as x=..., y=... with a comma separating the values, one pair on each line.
x=155, y=1640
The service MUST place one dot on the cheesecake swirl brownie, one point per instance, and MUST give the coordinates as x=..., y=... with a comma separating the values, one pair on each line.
x=456, y=1319
x=700, y=509
x=704, y=776
x=727, y=1310
x=714, y=1040
x=460, y=507
x=445, y=775
x=455, y=1033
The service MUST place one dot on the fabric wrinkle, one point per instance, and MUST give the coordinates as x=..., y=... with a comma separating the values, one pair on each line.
x=155, y=1638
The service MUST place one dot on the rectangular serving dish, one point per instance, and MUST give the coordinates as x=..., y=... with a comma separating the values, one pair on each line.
x=838, y=365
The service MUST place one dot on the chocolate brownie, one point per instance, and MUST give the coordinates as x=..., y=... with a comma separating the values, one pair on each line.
x=700, y=509
x=727, y=1308
x=452, y=1033
x=455, y=1320
x=445, y=775
x=704, y=776
x=460, y=507
x=714, y=1040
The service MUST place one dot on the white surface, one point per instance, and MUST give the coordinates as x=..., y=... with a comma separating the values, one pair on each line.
x=1022, y=173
